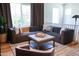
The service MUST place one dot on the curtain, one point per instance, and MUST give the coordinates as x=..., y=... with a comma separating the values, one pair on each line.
x=0, y=49
x=37, y=14
x=5, y=12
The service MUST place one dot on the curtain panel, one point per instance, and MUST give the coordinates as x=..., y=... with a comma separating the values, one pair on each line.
x=37, y=14
x=5, y=12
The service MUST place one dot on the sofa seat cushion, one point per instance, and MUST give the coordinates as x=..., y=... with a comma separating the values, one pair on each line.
x=31, y=33
x=23, y=34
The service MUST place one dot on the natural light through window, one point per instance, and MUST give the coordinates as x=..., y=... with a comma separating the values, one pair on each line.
x=55, y=14
x=68, y=17
x=68, y=11
x=20, y=14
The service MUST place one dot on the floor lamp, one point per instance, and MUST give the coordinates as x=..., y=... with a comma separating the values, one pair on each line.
x=75, y=16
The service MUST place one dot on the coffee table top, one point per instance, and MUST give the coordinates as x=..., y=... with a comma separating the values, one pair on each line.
x=41, y=40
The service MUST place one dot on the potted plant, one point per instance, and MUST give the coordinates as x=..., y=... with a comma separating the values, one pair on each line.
x=3, y=34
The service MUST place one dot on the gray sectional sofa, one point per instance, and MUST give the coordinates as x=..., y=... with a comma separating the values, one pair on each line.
x=65, y=38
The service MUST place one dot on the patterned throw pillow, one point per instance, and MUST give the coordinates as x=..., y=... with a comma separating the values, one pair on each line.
x=47, y=28
x=62, y=31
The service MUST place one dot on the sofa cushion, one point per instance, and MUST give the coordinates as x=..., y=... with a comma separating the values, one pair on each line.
x=47, y=28
x=63, y=30
x=56, y=29
x=35, y=28
x=31, y=33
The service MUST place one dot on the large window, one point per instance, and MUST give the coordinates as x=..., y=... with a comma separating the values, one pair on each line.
x=68, y=17
x=55, y=15
x=20, y=14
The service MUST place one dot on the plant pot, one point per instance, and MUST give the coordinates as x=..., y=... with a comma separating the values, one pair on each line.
x=3, y=38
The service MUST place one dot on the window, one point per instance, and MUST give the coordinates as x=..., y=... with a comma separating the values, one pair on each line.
x=55, y=13
x=68, y=17
x=20, y=15
x=68, y=11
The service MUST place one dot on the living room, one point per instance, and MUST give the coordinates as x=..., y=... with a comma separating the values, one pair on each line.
x=19, y=20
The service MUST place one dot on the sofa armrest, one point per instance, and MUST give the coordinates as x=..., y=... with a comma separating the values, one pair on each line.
x=67, y=36
x=56, y=29
x=11, y=35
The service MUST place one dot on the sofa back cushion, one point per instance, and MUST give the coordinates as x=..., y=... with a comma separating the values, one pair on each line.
x=24, y=29
x=56, y=29
x=35, y=28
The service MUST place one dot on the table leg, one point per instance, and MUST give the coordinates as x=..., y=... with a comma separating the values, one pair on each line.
x=29, y=42
x=53, y=43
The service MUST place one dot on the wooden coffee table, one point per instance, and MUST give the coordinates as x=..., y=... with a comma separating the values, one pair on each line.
x=39, y=40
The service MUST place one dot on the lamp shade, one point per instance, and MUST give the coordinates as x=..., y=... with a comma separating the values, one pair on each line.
x=75, y=16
